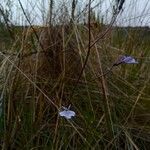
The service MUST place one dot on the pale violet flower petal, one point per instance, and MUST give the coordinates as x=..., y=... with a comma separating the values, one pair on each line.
x=68, y=114
x=129, y=60
x=125, y=60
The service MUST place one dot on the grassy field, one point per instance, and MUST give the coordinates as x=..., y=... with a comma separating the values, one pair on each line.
x=40, y=68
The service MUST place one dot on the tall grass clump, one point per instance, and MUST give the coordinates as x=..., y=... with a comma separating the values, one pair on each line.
x=70, y=63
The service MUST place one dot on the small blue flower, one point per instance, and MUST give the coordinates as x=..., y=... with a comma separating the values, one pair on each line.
x=66, y=113
x=125, y=60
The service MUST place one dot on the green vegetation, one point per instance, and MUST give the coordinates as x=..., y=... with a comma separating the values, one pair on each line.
x=39, y=70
